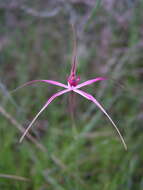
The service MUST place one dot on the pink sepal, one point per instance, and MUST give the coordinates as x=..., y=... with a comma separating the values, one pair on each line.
x=91, y=98
x=43, y=108
x=88, y=82
x=46, y=81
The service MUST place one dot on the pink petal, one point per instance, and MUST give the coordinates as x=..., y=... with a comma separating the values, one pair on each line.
x=43, y=108
x=88, y=82
x=90, y=97
x=46, y=81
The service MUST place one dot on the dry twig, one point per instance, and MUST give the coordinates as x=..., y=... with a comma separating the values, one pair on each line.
x=42, y=14
x=15, y=177
x=30, y=137
x=21, y=128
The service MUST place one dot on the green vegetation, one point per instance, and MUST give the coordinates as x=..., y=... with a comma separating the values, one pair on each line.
x=90, y=157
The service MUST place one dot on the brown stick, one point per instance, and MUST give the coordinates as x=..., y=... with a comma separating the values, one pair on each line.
x=15, y=177
x=21, y=128
x=32, y=139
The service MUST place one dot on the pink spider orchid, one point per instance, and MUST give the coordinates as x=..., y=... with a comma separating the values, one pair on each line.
x=72, y=86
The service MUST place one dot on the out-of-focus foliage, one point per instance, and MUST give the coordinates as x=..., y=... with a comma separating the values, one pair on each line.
x=36, y=43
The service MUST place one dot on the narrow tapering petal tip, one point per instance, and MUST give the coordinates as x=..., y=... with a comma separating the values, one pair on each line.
x=125, y=146
x=104, y=78
x=43, y=108
x=91, y=98
x=21, y=139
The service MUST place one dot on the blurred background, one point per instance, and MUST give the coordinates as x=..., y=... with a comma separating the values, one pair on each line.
x=36, y=42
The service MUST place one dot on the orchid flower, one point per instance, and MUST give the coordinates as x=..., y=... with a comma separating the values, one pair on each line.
x=72, y=86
